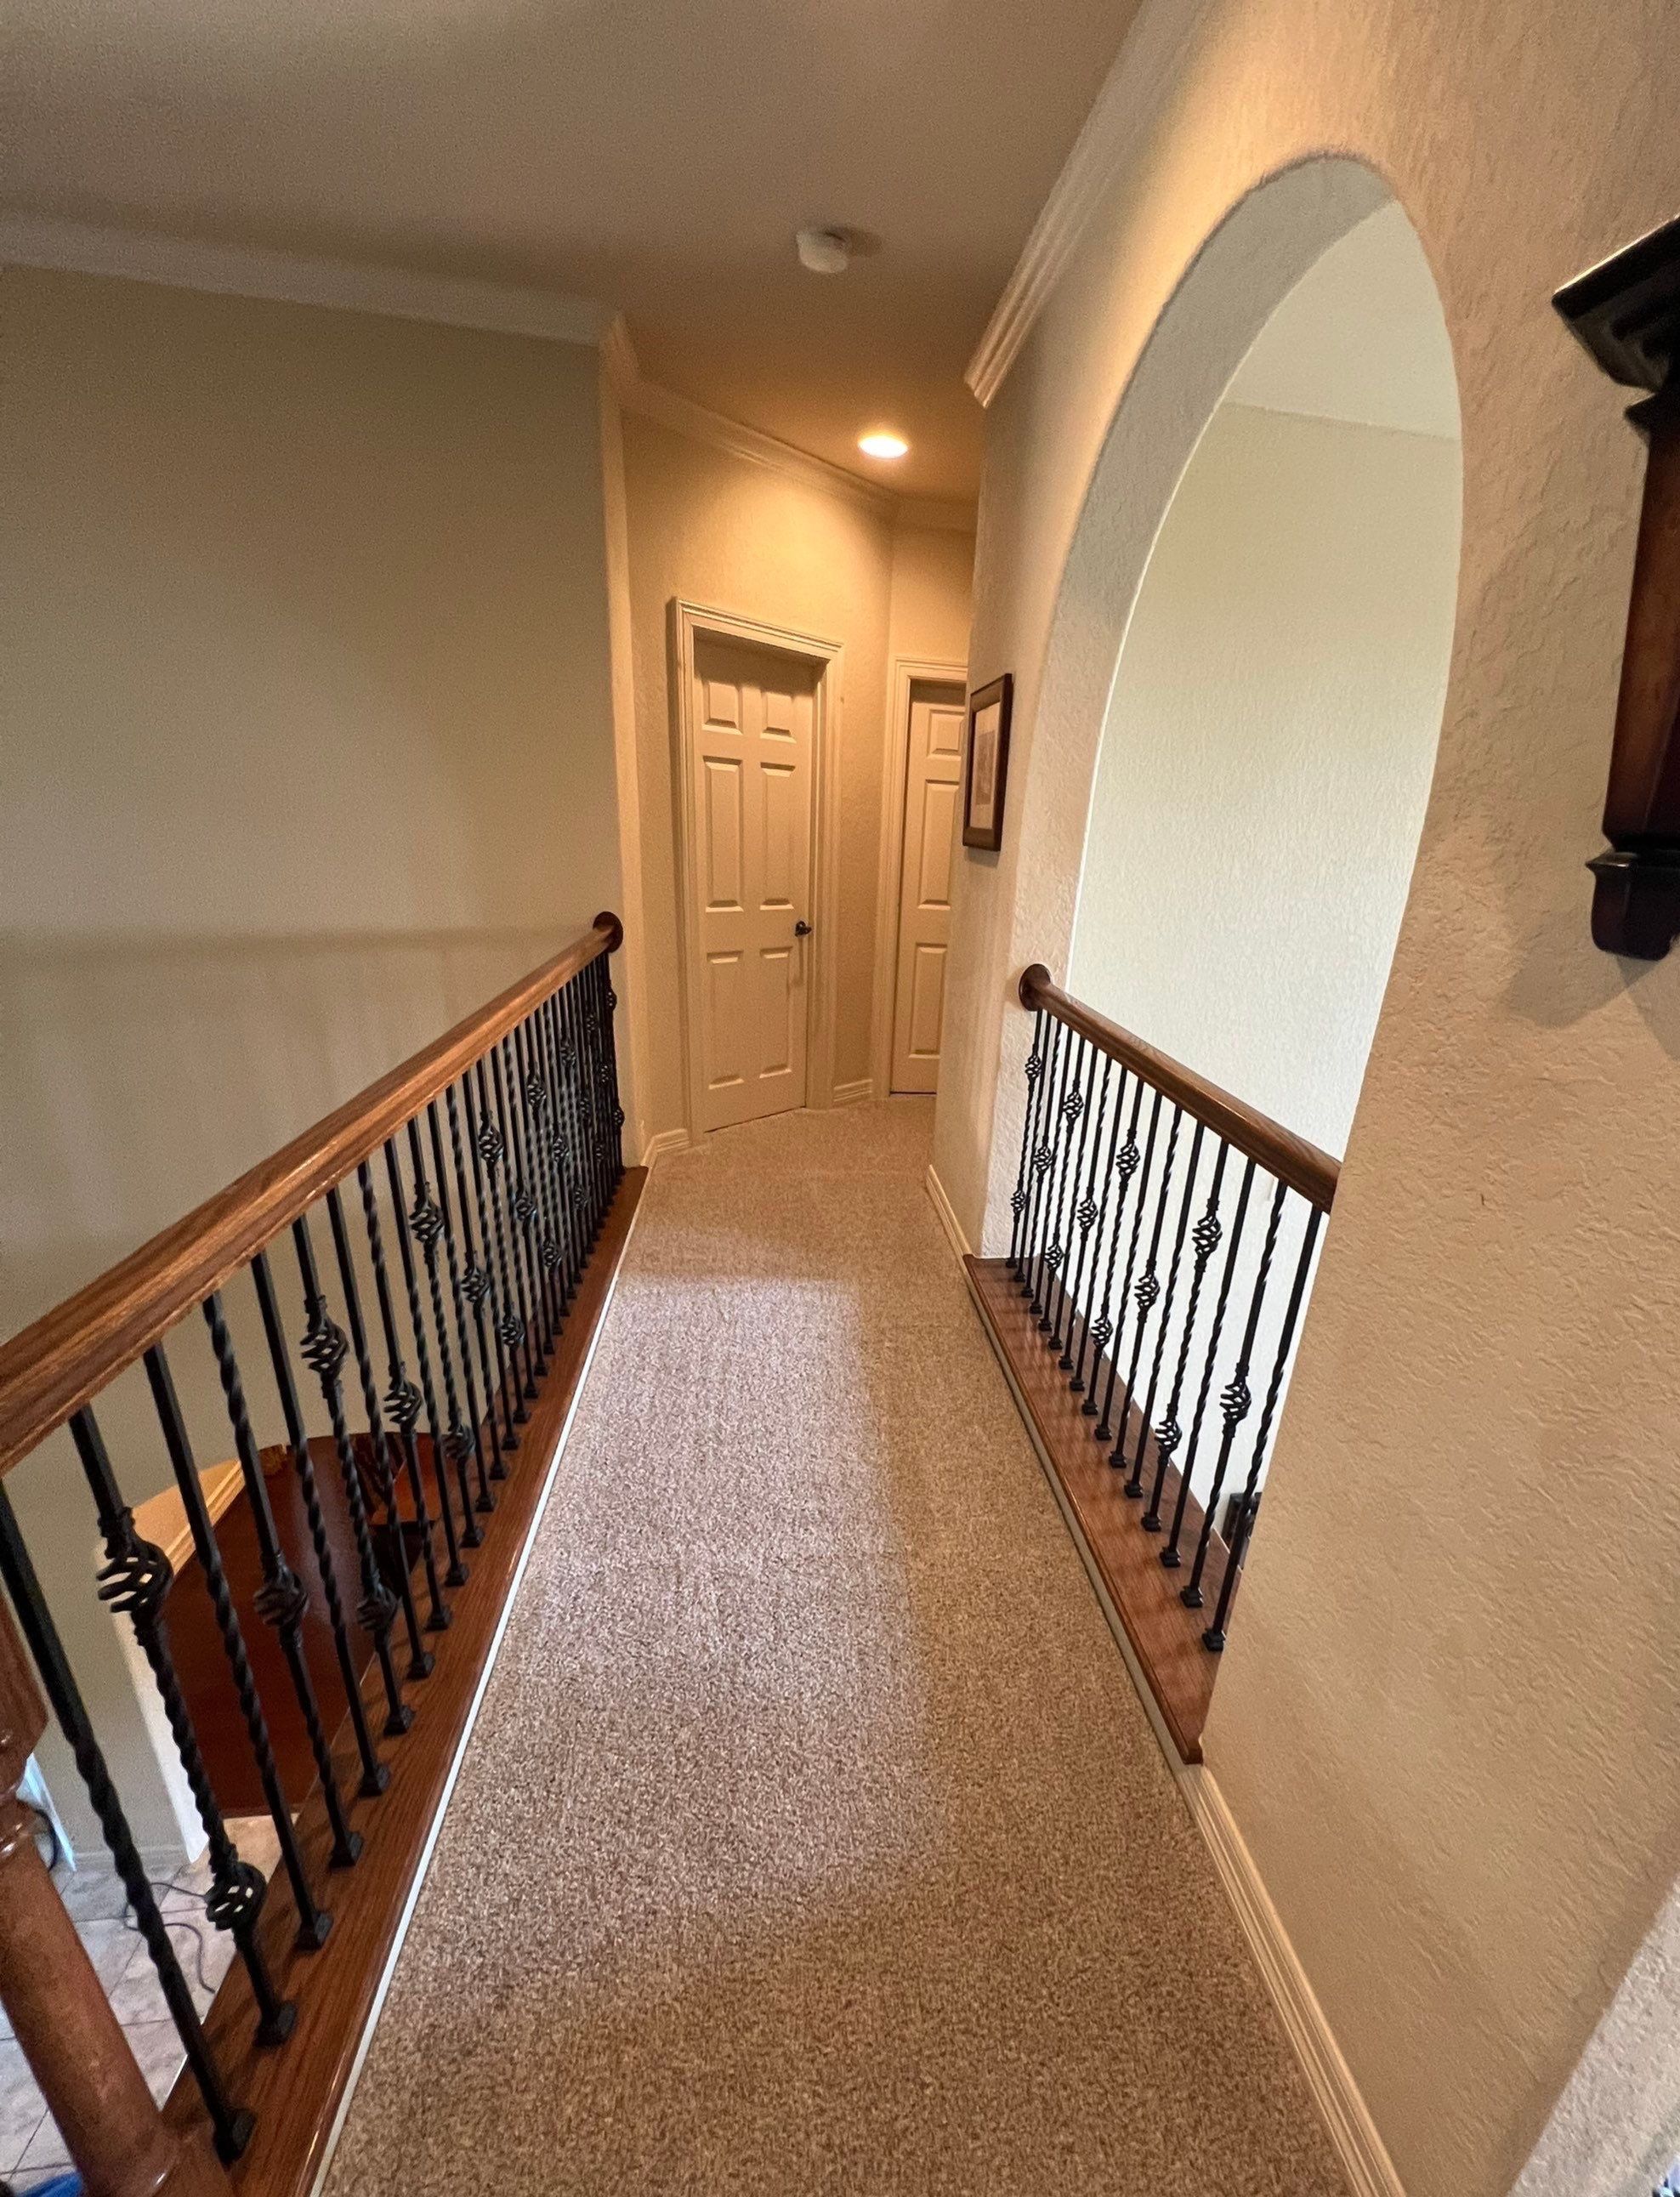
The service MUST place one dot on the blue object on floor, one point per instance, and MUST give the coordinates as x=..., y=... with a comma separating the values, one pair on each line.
x=61, y=2185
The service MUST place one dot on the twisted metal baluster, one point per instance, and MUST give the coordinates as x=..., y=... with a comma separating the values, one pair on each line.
x=324, y=1349
x=485, y=1501
x=283, y=1600
x=1122, y=1166
x=527, y=1199
x=1134, y=1482
x=536, y=1101
x=1214, y=1638
x=1034, y=1073
x=232, y=2123
x=1065, y=1225
x=1092, y=1219
x=476, y=1287
x=589, y=1013
x=521, y=1210
x=451, y=1444
x=1043, y=1155
x=314, y=1922
x=577, y=1065
x=421, y=1658
x=375, y=1777
x=610, y=1081
x=1169, y=1555
x=1143, y=1294
x=572, y=1239
x=1205, y=1239
x=134, y=1582
x=514, y=1323
x=402, y=1404
x=1235, y=1400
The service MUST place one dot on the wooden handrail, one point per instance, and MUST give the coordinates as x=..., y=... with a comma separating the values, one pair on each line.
x=1291, y=1158
x=60, y=1362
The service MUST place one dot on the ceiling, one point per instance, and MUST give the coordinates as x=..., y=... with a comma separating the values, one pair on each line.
x=1361, y=337
x=655, y=155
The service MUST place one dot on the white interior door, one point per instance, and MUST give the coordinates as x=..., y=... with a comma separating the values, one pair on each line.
x=752, y=724
x=932, y=776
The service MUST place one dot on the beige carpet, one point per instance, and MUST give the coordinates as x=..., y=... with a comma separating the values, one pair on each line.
x=812, y=1838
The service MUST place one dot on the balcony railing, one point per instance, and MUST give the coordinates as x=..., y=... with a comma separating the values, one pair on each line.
x=1162, y=1250
x=383, y=1325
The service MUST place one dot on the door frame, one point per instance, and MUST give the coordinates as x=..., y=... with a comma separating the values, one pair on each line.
x=908, y=673
x=687, y=620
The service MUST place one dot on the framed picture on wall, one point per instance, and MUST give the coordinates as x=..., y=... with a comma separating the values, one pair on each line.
x=986, y=763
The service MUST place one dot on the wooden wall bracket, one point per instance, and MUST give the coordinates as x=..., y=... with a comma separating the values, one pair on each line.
x=1626, y=311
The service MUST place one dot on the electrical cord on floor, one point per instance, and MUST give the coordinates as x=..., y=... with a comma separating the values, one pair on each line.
x=174, y=1922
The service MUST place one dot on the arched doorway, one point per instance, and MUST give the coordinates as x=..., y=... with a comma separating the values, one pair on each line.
x=1270, y=734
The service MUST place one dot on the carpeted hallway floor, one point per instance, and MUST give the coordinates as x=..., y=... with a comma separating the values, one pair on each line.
x=812, y=1838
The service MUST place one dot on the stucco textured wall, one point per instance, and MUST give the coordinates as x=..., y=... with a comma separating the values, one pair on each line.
x=1447, y=1723
x=1267, y=756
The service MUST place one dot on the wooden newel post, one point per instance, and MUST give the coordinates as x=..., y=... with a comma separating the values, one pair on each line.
x=58, y=2008
x=1626, y=311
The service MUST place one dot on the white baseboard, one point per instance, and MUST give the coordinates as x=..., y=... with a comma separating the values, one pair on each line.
x=1370, y=2172
x=658, y=1148
x=947, y=1217
x=853, y=1095
x=1353, y=2134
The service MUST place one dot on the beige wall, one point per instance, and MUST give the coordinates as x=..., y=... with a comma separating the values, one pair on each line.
x=307, y=749
x=1273, y=724
x=707, y=527
x=1447, y=1722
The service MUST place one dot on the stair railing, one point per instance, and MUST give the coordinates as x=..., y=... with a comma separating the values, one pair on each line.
x=1163, y=1243
x=412, y=1285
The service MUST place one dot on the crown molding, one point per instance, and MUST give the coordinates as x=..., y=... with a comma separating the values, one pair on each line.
x=455, y=301
x=1127, y=107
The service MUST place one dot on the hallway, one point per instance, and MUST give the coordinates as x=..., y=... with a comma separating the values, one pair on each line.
x=811, y=1837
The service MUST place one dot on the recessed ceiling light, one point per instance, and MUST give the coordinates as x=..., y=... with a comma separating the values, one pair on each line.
x=881, y=442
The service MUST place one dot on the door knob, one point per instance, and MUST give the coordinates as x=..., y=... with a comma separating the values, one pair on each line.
x=802, y=929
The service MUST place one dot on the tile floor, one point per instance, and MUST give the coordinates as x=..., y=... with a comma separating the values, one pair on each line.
x=31, y=2150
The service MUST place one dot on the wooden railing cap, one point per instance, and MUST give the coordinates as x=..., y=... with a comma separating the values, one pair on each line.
x=1292, y=1159
x=61, y=1361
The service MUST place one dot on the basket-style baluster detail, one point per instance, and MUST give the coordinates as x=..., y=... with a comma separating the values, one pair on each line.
x=477, y=1287
x=524, y=1205
x=402, y=1403
x=426, y=1225
x=134, y=1582
x=490, y=1145
x=484, y=1502
x=476, y=1284
x=456, y=1575
x=1205, y=1239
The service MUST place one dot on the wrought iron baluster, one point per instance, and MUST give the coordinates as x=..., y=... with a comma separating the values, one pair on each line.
x=592, y=992
x=231, y=2123
x=1134, y=1482
x=1141, y=1295
x=1034, y=1072
x=455, y=1571
x=375, y=1777
x=479, y=1289
x=514, y=1323
x=521, y=1209
x=1103, y=1170
x=1214, y=1637
x=482, y=1438
x=1234, y=1398
x=426, y=1229
x=574, y=1241
x=325, y=1348
x=283, y=1600
x=1123, y=1166
x=573, y=1010
x=1205, y=1239
x=528, y=1190
x=1068, y=1220
x=1044, y=1159
x=538, y=1113
x=134, y=1582
x=402, y=1402
x=1169, y=1555
x=386, y=1463
x=314, y=1921
x=615, y=1112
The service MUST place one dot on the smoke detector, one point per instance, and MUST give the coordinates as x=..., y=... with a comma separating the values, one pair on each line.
x=824, y=251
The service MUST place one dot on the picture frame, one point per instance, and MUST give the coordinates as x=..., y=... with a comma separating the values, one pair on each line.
x=986, y=763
